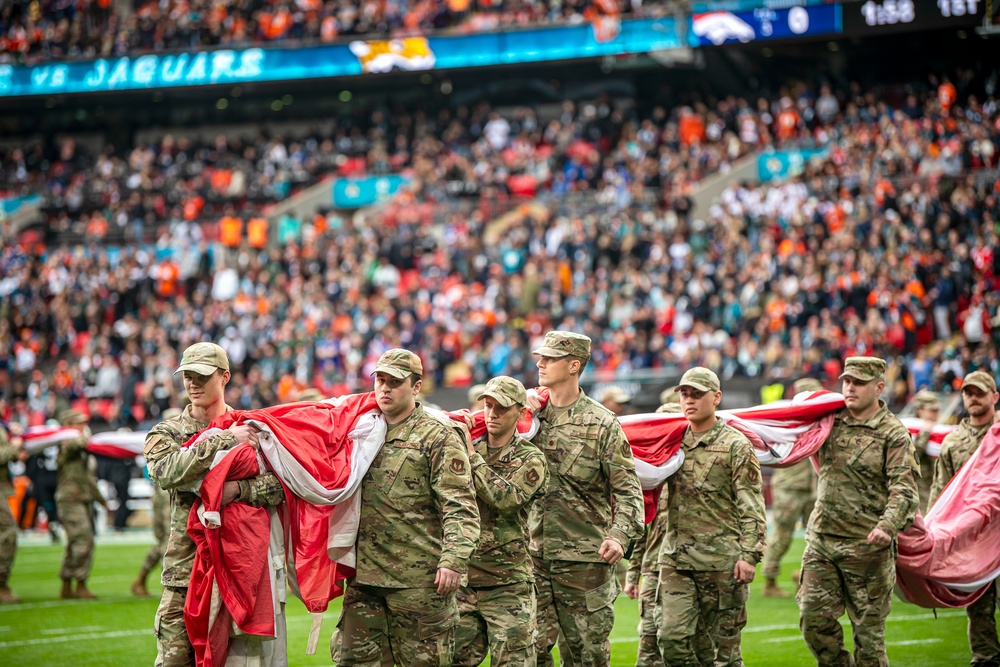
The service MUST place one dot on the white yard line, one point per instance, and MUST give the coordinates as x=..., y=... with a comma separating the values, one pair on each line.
x=911, y=642
x=844, y=621
x=62, y=631
x=37, y=605
x=61, y=603
x=77, y=638
x=782, y=640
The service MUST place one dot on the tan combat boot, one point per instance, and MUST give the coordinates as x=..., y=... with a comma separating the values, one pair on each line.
x=82, y=593
x=67, y=590
x=771, y=589
x=6, y=597
x=139, y=586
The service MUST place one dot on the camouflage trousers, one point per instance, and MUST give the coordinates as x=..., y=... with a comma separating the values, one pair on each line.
x=700, y=618
x=649, y=651
x=851, y=574
x=983, y=630
x=499, y=620
x=788, y=507
x=78, y=522
x=579, y=599
x=8, y=540
x=160, y=520
x=417, y=624
x=926, y=480
x=173, y=648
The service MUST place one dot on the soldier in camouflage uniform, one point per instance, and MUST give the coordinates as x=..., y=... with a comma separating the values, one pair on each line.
x=867, y=494
x=76, y=494
x=928, y=406
x=641, y=581
x=669, y=400
x=475, y=403
x=497, y=608
x=793, y=494
x=643, y=575
x=159, y=520
x=591, y=511
x=9, y=451
x=179, y=470
x=419, y=526
x=714, y=528
x=615, y=399
x=979, y=395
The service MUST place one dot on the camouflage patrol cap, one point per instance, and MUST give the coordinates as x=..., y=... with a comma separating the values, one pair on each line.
x=927, y=399
x=564, y=343
x=806, y=384
x=398, y=363
x=70, y=417
x=506, y=391
x=204, y=359
x=475, y=391
x=982, y=380
x=615, y=394
x=700, y=378
x=669, y=395
x=865, y=369
x=172, y=413
x=310, y=394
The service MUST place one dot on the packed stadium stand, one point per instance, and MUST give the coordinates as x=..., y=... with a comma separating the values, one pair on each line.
x=35, y=31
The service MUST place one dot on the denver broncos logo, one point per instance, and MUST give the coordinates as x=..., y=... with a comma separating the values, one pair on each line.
x=410, y=53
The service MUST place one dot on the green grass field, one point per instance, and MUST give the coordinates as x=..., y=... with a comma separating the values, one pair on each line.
x=117, y=629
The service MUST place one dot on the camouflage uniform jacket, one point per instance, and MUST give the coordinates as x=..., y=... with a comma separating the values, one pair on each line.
x=178, y=470
x=645, y=559
x=8, y=453
x=593, y=492
x=76, y=482
x=507, y=480
x=956, y=450
x=925, y=463
x=799, y=477
x=418, y=508
x=867, y=477
x=715, y=507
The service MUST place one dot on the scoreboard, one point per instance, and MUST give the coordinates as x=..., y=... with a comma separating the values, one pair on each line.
x=874, y=17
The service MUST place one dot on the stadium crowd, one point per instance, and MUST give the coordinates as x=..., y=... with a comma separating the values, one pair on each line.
x=33, y=32
x=463, y=153
x=875, y=249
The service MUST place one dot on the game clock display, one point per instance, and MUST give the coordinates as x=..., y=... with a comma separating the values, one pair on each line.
x=874, y=16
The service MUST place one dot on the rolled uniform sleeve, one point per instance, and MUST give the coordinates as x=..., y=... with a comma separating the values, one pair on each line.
x=505, y=495
x=901, y=473
x=172, y=466
x=261, y=491
x=451, y=483
x=749, y=503
x=626, y=495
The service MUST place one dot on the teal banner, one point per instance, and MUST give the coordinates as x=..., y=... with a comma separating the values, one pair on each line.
x=776, y=165
x=11, y=204
x=359, y=192
x=337, y=60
